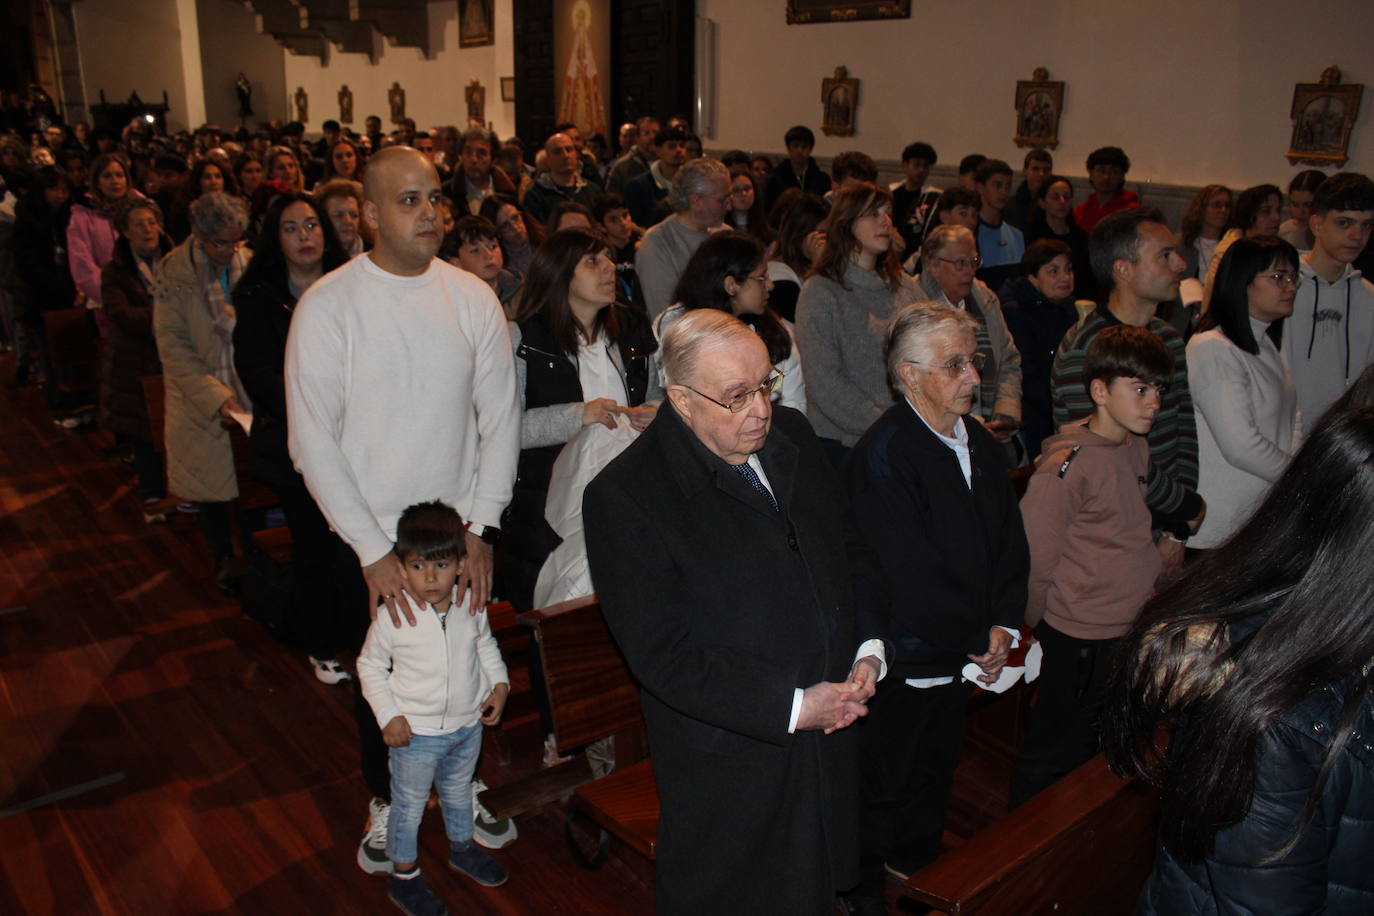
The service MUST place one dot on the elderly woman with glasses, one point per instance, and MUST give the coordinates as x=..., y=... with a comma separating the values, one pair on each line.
x=1243, y=394
x=193, y=319
x=949, y=260
x=933, y=500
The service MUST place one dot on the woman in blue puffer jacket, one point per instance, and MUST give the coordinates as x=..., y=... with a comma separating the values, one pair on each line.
x=1262, y=660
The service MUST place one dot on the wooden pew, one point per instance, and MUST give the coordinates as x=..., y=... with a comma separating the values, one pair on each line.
x=1084, y=845
x=591, y=696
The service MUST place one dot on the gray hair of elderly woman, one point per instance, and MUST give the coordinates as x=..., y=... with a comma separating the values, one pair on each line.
x=693, y=335
x=910, y=332
x=940, y=238
x=697, y=176
x=217, y=212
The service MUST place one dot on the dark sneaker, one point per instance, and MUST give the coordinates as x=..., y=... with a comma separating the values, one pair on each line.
x=414, y=897
x=487, y=830
x=372, y=850
x=477, y=865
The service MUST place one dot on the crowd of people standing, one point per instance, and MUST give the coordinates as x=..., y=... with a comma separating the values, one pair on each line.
x=364, y=302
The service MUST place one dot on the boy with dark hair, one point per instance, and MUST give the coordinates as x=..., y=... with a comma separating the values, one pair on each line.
x=967, y=166
x=1036, y=169
x=1329, y=339
x=1093, y=561
x=852, y=167
x=476, y=248
x=1107, y=168
x=999, y=242
x=799, y=170
x=912, y=198
x=622, y=235
x=1135, y=257
x=432, y=687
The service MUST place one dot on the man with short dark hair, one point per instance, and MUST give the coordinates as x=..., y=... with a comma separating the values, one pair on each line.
x=755, y=646
x=912, y=198
x=1135, y=256
x=799, y=171
x=563, y=180
x=1035, y=170
x=645, y=192
x=1329, y=339
x=475, y=175
x=1107, y=168
x=999, y=242
x=637, y=160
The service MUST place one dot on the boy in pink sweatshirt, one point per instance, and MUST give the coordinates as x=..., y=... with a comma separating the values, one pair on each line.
x=1093, y=557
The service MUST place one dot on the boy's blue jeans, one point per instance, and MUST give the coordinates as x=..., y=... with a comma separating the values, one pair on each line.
x=446, y=762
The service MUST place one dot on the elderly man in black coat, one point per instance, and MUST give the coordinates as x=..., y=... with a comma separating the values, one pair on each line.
x=729, y=572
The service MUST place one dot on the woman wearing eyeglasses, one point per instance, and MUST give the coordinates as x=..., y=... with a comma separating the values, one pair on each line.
x=296, y=247
x=949, y=260
x=850, y=295
x=581, y=359
x=1243, y=394
x=933, y=501
x=729, y=272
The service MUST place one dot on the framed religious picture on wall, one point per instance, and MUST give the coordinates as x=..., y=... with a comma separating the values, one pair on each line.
x=1323, y=117
x=839, y=98
x=474, y=24
x=800, y=11
x=476, y=96
x=508, y=89
x=1039, y=102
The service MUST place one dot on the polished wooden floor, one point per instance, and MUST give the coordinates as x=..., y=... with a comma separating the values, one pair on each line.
x=160, y=753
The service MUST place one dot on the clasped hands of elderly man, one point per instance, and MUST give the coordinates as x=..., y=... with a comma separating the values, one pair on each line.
x=831, y=706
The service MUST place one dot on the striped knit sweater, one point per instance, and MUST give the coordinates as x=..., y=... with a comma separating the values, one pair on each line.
x=1172, y=491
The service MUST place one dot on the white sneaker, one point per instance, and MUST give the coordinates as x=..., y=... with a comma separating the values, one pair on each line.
x=486, y=830
x=328, y=670
x=372, y=856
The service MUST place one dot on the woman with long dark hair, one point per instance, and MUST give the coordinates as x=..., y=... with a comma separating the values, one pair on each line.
x=851, y=293
x=1243, y=394
x=801, y=225
x=728, y=272
x=1260, y=659
x=518, y=238
x=581, y=359
x=746, y=212
x=296, y=246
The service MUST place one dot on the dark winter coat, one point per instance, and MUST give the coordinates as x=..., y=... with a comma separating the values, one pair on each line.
x=130, y=350
x=1037, y=325
x=723, y=607
x=1331, y=870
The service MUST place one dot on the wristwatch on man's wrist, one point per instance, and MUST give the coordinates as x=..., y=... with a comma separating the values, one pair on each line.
x=486, y=533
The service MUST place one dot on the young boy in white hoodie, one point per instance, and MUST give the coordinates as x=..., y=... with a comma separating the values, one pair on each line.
x=432, y=687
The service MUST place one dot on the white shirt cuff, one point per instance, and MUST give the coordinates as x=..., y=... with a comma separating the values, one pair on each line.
x=796, y=711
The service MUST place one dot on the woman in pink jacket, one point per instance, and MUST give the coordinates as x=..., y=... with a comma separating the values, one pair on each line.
x=91, y=233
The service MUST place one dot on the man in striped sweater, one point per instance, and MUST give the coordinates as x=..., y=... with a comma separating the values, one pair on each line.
x=1134, y=256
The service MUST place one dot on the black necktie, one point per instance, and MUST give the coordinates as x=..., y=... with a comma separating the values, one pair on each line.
x=751, y=476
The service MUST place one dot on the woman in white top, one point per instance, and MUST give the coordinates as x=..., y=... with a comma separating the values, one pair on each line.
x=1243, y=395
x=729, y=272
x=581, y=359
x=1257, y=212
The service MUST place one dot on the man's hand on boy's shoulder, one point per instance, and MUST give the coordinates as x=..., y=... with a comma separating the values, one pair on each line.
x=495, y=704
x=386, y=583
x=397, y=732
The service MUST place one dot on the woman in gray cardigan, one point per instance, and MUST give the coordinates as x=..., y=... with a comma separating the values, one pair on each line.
x=842, y=316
